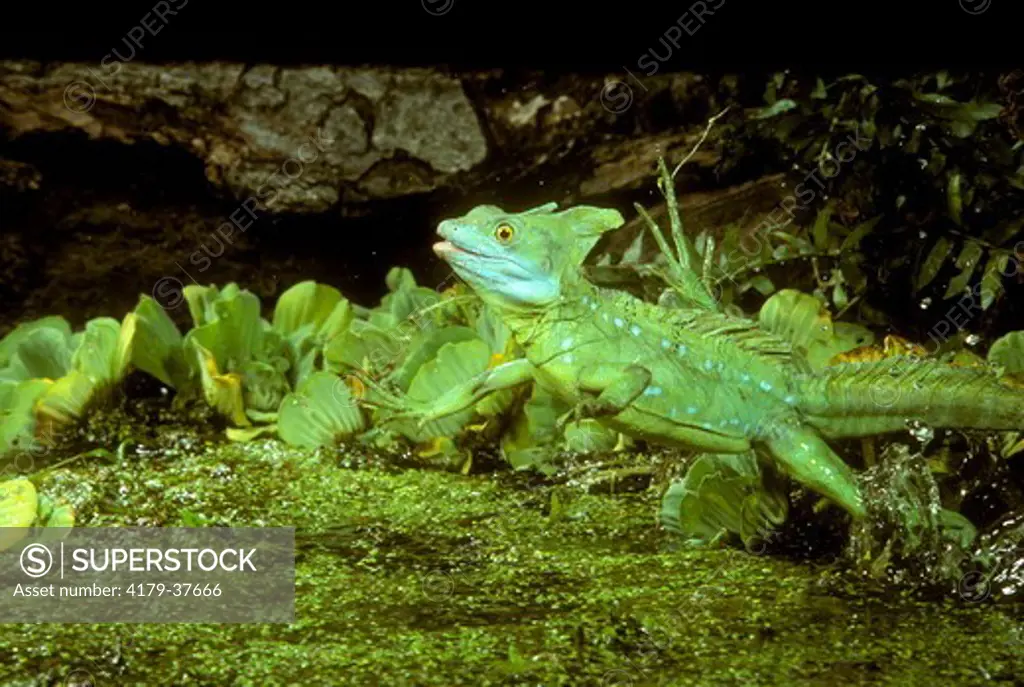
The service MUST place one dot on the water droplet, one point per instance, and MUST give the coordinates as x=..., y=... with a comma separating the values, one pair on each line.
x=925, y=302
x=922, y=433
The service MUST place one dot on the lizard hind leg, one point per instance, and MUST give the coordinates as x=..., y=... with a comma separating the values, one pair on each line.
x=614, y=388
x=802, y=454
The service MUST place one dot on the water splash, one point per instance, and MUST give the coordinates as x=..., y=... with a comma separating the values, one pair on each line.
x=909, y=538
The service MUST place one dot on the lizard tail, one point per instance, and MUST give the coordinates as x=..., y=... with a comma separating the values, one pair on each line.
x=860, y=399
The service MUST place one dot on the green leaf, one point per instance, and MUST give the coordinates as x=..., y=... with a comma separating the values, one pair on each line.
x=18, y=505
x=244, y=434
x=45, y=353
x=589, y=436
x=762, y=284
x=1008, y=353
x=52, y=516
x=797, y=317
x=992, y=278
x=263, y=387
x=967, y=261
x=980, y=112
x=104, y=351
x=955, y=201
x=337, y=322
x=725, y=493
x=231, y=329
x=17, y=416
x=222, y=390
x=820, y=229
x=853, y=239
x=529, y=441
x=424, y=348
x=305, y=303
x=373, y=346
x=9, y=344
x=454, y=365
x=777, y=108
x=839, y=297
x=805, y=322
x=157, y=347
x=400, y=279
x=320, y=412
x=65, y=401
x=933, y=263
x=819, y=92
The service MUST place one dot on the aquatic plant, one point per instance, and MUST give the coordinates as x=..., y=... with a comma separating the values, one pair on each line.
x=722, y=495
x=241, y=364
x=50, y=377
x=22, y=507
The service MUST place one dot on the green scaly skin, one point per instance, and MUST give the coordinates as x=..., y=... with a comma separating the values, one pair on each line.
x=689, y=378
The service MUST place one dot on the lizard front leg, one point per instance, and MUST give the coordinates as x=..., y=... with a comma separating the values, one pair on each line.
x=615, y=386
x=465, y=395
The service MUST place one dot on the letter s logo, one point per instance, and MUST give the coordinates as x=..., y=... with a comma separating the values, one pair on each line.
x=36, y=560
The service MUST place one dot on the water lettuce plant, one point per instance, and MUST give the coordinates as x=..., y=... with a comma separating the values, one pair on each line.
x=50, y=376
x=22, y=507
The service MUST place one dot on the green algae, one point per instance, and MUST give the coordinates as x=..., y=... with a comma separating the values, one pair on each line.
x=416, y=576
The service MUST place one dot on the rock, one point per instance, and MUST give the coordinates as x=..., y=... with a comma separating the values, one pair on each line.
x=299, y=136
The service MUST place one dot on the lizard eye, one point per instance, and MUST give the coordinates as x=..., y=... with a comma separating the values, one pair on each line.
x=504, y=233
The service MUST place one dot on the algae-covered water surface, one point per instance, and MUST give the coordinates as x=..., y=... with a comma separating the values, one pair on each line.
x=719, y=386
x=423, y=577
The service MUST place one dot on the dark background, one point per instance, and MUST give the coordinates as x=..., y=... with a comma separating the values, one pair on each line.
x=751, y=38
x=531, y=34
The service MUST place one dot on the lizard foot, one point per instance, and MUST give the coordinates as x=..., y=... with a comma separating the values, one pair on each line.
x=587, y=408
x=395, y=408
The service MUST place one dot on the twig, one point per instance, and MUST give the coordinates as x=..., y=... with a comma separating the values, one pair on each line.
x=707, y=130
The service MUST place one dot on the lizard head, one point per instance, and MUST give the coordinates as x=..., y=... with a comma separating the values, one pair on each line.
x=522, y=260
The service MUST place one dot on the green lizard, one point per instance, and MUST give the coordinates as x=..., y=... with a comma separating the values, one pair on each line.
x=693, y=378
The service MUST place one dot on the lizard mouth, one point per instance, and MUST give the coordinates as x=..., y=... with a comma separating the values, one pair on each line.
x=446, y=248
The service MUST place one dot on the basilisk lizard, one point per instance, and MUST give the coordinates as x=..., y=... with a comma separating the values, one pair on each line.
x=688, y=377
